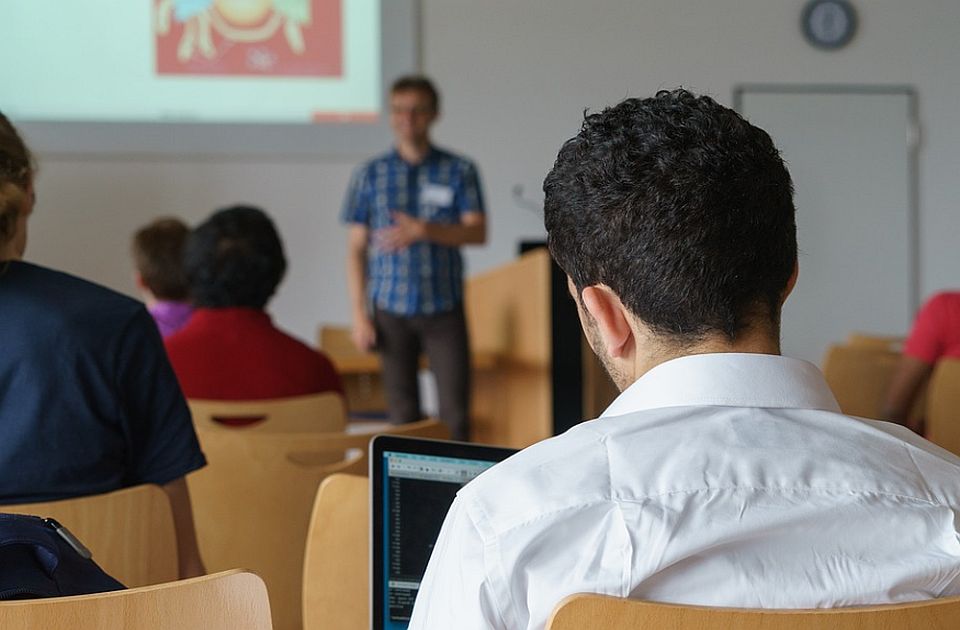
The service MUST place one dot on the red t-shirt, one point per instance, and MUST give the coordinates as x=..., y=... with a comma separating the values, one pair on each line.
x=238, y=354
x=936, y=331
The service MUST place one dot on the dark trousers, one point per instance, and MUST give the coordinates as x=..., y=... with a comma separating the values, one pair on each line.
x=443, y=338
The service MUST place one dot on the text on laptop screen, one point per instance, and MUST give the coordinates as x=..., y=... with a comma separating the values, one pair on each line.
x=420, y=490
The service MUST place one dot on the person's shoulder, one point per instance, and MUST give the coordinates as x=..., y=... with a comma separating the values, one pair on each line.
x=930, y=472
x=293, y=347
x=943, y=299
x=459, y=161
x=378, y=161
x=68, y=293
x=552, y=475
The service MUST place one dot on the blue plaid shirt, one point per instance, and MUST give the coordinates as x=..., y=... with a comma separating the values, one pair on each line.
x=425, y=278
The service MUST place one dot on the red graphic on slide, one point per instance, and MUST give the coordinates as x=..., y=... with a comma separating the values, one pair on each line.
x=249, y=37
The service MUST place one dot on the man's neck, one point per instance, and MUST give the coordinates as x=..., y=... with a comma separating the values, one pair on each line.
x=414, y=152
x=9, y=252
x=757, y=339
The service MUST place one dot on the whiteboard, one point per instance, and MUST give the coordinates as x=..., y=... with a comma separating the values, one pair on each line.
x=851, y=152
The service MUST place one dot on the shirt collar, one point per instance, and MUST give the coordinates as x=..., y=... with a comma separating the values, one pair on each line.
x=431, y=155
x=728, y=379
x=228, y=315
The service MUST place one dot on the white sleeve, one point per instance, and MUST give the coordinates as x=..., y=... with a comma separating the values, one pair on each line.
x=455, y=591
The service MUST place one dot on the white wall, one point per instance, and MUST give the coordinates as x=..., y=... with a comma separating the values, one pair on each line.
x=516, y=75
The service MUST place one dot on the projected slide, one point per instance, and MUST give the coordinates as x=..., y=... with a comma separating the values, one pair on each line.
x=249, y=37
x=250, y=61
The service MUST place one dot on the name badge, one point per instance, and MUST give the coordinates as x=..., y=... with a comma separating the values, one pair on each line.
x=436, y=195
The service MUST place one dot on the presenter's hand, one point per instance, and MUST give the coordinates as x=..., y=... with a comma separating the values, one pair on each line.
x=405, y=231
x=364, y=335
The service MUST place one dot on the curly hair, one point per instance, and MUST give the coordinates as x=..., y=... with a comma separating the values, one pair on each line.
x=16, y=170
x=157, y=250
x=234, y=258
x=679, y=205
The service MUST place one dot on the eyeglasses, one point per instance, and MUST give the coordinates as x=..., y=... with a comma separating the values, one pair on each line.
x=420, y=110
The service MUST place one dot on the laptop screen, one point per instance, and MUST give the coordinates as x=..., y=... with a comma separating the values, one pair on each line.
x=415, y=483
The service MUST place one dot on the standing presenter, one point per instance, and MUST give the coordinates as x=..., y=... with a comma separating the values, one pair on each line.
x=408, y=212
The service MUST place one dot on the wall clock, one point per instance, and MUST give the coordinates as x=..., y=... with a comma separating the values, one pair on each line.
x=829, y=24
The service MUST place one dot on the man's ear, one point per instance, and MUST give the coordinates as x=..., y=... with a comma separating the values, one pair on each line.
x=791, y=282
x=138, y=280
x=610, y=315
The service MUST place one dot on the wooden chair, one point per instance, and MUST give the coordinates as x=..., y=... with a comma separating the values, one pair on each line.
x=943, y=405
x=314, y=412
x=336, y=565
x=612, y=613
x=234, y=600
x=129, y=531
x=859, y=377
x=880, y=342
x=252, y=503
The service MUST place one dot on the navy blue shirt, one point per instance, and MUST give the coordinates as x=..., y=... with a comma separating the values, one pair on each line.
x=88, y=401
x=425, y=278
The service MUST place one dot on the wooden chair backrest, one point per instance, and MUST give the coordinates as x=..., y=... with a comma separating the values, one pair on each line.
x=129, y=531
x=234, y=600
x=252, y=503
x=314, y=412
x=880, y=342
x=943, y=405
x=613, y=613
x=336, y=565
x=860, y=377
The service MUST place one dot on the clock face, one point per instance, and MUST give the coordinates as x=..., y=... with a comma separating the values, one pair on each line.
x=829, y=23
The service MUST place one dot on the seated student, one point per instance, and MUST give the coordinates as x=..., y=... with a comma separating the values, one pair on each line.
x=230, y=349
x=935, y=335
x=88, y=402
x=724, y=474
x=158, y=258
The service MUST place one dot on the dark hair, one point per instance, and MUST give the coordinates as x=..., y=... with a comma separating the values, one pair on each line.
x=234, y=258
x=158, y=257
x=16, y=170
x=679, y=205
x=417, y=83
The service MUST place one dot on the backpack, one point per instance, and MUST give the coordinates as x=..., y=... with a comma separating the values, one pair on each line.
x=39, y=557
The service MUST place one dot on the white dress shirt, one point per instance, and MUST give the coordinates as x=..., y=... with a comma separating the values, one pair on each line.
x=719, y=480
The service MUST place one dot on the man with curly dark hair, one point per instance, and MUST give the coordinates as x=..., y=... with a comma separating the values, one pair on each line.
x=230, y=349
x=724, y=474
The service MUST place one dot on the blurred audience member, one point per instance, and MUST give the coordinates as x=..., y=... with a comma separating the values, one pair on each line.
x=230, y=349
x=88, y=402
x=158, y=260
x=935, y=335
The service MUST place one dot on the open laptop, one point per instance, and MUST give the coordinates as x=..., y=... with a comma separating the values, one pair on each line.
x=412, y=484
